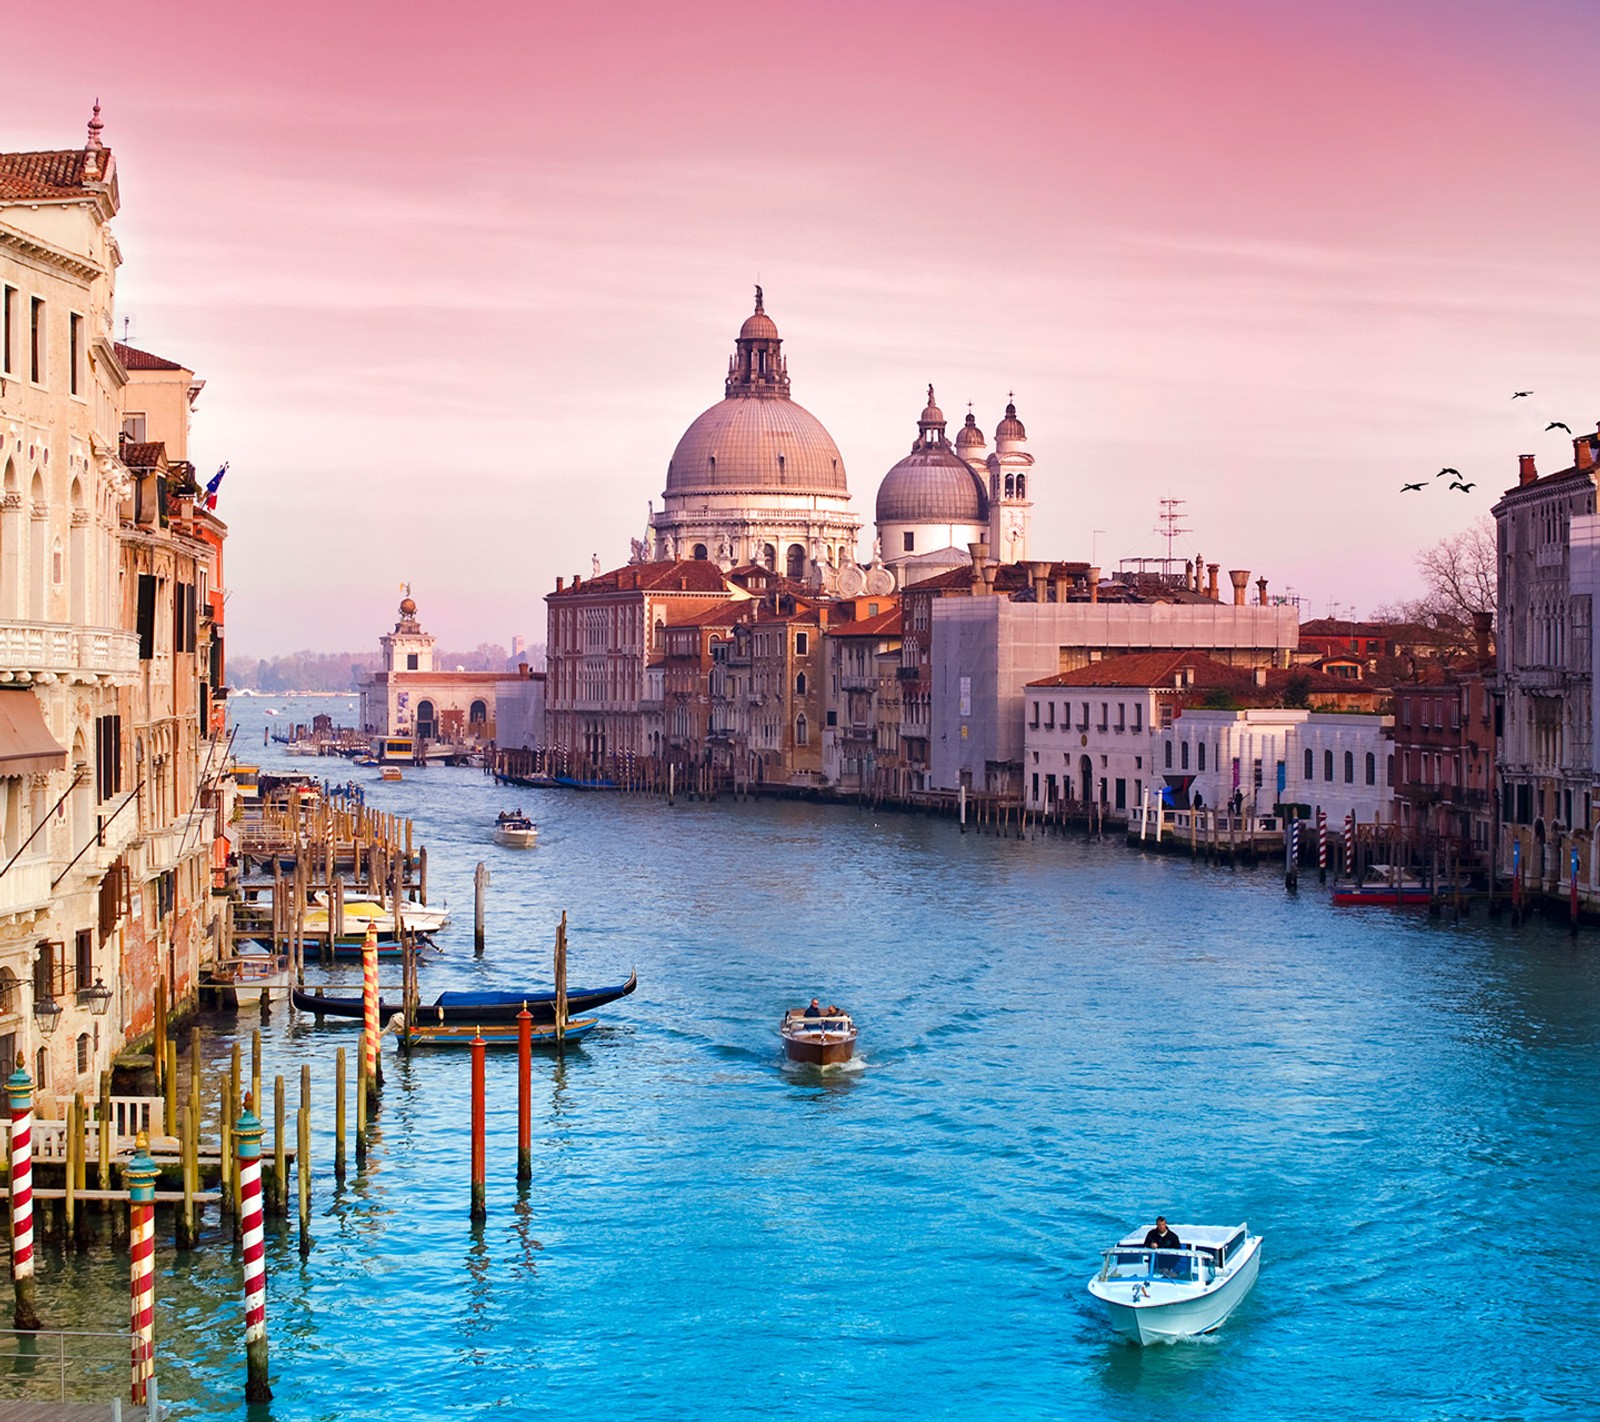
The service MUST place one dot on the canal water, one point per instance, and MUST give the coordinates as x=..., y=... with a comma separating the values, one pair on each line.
x=1059, y=1039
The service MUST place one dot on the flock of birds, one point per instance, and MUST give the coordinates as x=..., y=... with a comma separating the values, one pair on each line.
x=1466, y=487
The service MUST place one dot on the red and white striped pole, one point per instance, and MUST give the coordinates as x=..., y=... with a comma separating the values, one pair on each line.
x=1322, y=845
x=369, y=1011
x=140, y=1177
x=19, y=1088
x=1350, y=845
x=247, y=1133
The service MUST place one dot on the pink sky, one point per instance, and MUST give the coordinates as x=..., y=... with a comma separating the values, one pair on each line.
x=456, y=294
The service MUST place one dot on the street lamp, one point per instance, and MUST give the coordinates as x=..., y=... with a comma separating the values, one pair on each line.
x=97, y=998
x=47, y=1013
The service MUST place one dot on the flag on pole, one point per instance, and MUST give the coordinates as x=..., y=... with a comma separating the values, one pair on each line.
x=208, y=500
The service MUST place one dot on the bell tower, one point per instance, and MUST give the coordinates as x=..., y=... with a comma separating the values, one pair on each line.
x=408, y=648
x=1010, y=467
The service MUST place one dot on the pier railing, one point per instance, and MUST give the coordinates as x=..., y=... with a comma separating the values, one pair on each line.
x=63, y=1365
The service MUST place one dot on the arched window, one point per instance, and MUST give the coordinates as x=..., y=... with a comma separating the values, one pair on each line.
x=769, y=556
x=800, y=684
x=795, y=562
x=1311, y=764
x=1327, y=765
x=427, y=720
x=1201, y=748
x=1169, y=755
x=478, y=713
x=699, y=553
x=1372, y=768
x=1183, y=755
x=41, y=1070
x=83, y=1053
x=1349, y=767
x=8, y=995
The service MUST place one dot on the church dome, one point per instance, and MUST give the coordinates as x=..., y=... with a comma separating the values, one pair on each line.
x=969, y=436
x=930, y=485
x=1011, y=426
x=757, y=439
x=756, y=444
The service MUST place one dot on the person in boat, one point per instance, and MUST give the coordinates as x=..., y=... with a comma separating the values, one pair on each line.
x=815, y=1010
x=1161, y=1237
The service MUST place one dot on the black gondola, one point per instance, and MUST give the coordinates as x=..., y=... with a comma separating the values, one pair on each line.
x=470, y=1007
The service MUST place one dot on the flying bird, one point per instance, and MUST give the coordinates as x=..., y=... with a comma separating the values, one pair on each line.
x=1465, y=488
x=1406, y=488
x=1520, y=394
x=1557, y=425
x=1455, y=473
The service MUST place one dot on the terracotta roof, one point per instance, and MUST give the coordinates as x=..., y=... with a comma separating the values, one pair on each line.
x=46, y=176
x=724, y=614
x=885, y=624
x=690, y=575
x=133, y=359
x=1151, y=669
x=145, y=454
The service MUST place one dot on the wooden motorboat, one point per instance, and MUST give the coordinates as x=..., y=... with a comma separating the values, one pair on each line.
x=474, y=1008
x=824, y=1040
x=495, y=1034
x=390, y=772
x=1160, y=1295
x=1388, y=884
x=515, y=830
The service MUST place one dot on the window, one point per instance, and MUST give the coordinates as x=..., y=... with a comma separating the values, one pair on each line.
x=146, y=624
x=1034, y=723
x=1202, y=749
x=411, y=661
x=1105, y=715
x=801, y=644
x=1050, y=714
x=802, y=732
x=1311, y=764
x=1122, y=717
x=108, y=756
x=36, y=340
x=1372, y=768
x=133, y=425
x=83, y=1053
x=1138, y=718
x=8, y=322
x=74, y=351
x=478, y=713
x=1183, y=756
x=800, y=684
x=1349, y=767
x=1327, y=765
x=1169, y=754
x=910, y=540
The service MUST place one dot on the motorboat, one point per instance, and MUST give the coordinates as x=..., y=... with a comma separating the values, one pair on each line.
x=824, y=1040
x=1387, y=884
x=358, y=912
x=390, y=772
x=1160, y=1295
x=515, y=830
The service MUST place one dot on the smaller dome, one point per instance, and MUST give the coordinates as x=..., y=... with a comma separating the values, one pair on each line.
x=969, y=436
x=758, y=327
x=930, y=485
x=932, y=415
x=1011, y=426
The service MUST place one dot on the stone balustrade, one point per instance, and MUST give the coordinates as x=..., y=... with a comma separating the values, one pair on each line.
x=46, y=651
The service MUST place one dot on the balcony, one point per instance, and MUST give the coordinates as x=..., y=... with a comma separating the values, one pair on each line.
x=34, y=650
x=859, y=681
x=26, y=887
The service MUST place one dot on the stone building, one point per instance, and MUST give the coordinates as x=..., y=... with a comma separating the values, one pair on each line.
x=1544, y=659
x=112, y=782
x=756, y=478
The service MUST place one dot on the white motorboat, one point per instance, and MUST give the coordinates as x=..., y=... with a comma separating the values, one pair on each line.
x=1159, y=1295
x=358, y=912
x=515, y=830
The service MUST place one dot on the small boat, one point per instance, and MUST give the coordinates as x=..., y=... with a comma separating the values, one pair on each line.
x=474, y=1008
x=495, y=1034
x=515, y=830
x=302, y=748
x=390, y=772
x=415, y=918
x=1159, y=1295
x=818, y=1041
x=1387, y=884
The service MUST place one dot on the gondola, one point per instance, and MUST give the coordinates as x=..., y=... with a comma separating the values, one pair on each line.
x=474, y=1008
x=494, y=1034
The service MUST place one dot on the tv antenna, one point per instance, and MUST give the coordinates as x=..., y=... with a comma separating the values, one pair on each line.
x=1167, y=522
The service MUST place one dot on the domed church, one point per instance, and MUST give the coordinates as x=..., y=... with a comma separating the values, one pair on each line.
x=756, y=478
x=942, y=497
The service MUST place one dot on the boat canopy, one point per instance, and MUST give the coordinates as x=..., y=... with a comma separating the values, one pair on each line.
x=1219, y=1241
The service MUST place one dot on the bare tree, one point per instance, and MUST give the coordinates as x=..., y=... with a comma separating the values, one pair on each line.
x=1458, y=580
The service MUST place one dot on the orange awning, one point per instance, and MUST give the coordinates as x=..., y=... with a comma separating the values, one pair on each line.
x=26, y=745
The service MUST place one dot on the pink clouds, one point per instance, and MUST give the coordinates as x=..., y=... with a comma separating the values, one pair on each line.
x=458, y=280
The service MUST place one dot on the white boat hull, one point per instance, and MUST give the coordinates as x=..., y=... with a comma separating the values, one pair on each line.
x=516, y=838
x=1169, y=1312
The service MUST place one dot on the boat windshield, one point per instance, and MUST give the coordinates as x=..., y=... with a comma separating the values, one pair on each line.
x=1172, y=1264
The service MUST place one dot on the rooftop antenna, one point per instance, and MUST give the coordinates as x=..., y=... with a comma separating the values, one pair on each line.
x=125, y=321
x=1167, y=527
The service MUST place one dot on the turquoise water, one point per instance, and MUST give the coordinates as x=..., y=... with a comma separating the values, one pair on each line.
x=1059, y=1040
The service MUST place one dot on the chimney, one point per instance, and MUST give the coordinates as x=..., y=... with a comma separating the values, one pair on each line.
x=1240, y=578
x=1199, y=573
x=576, y=582
x=1188, y=576
x=1261, y=592
x=1041, y=580
x=560, y=583
x=1583, y=451
x=1061, y=587
x=1482, y=624
x=980, y=554
x=1094, y=585
x=1211, y=574
x=1526, y=473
